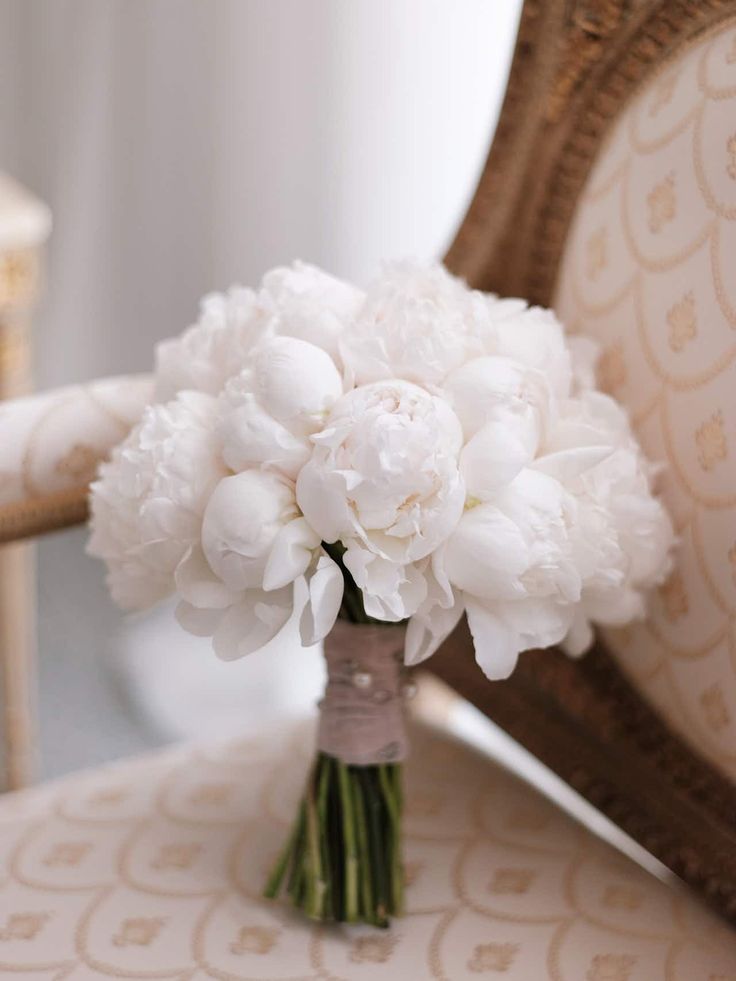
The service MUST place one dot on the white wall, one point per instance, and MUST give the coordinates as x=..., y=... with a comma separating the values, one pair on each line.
x=185, y=144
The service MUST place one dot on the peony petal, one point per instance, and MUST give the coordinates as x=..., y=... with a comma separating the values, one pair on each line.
x=326, y=588
x=291, y=553
x=496, y=644
x=199, y=586
x=321, y=498
x=296, y=382
x=579, y=637
x=253, y=438
x=566, y=465
x=250, y=625
x=486, y=554
x=491, y=458
x=425, y=633
x=244, y=515
x=201, y=623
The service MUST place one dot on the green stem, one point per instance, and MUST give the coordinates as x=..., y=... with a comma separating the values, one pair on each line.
x=351, y=854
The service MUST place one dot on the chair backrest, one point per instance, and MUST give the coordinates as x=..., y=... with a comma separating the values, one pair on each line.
x=610, y=193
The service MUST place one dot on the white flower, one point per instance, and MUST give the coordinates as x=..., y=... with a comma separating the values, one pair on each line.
x=534, y=338
x=625, y=535
x=269, y=409
x=510, y=564
x=148, y=503
x=418, y=323
x=251, y=437
x=217, y=347
x=383, y=480
x=312, y=305
x=296, y=382
x=259, y=560
x=297, y=301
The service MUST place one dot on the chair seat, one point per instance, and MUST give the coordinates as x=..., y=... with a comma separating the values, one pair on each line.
x=153, y=868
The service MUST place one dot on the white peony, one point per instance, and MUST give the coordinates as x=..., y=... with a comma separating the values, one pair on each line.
x=510, y=564
x=217, y=347
x=148, y=502
x=383, y=480
x=417, y=323
x=269, y=409
x=625, y=535
x=258, y=561
x=297, y=301
x=312, y=305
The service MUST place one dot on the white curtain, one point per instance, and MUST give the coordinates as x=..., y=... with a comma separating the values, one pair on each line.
x=184, y=145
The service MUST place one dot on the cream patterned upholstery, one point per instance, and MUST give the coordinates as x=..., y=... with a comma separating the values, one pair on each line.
x=153, y=869
x=53, y=442
x=649, y=270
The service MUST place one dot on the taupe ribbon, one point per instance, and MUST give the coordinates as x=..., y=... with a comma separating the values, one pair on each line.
x=362, y=713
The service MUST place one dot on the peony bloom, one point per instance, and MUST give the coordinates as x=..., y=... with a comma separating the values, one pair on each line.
x=269, y=409
x=312, y=305
x=511, y=565
x=418, y=322
x=383, y=480
x=625, y=534
x=298, y=301
x=148, y=502
x=217, y=347
x=258, y=561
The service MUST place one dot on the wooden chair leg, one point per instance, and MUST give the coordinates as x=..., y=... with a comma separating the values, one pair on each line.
x=18, y=663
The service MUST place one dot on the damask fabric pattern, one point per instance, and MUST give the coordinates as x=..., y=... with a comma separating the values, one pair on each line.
x=53, y=442
x=649, y=271
x=153, y=869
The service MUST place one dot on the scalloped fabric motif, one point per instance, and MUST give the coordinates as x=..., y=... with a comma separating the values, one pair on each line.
x=649, y=271
x=153, y=869
x=41, y=451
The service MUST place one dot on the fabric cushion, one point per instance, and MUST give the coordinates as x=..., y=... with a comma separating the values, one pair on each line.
x=153, y=869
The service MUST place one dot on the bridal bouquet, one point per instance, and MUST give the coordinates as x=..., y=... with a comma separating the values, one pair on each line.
x=395, y=458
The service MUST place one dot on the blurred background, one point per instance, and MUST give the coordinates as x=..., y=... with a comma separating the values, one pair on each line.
x=183, y=146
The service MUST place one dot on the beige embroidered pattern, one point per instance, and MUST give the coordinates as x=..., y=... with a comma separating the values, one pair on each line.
x=23, y=926
x=139, y=930
x=512, y=881
x=80, y=463
x=664, y=187
x=493, y=957
x=564, y=904
x=662, y=204
x=611, y=967
x=710, y=439
x=682, y=322
x=373, y=949
x=66, y=853
x=179, y=856
x=255, y=940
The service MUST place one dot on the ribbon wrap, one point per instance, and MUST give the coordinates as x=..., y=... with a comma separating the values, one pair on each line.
x=362, y=712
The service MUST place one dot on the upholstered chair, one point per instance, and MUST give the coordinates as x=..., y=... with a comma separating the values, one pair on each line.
x=610, y=192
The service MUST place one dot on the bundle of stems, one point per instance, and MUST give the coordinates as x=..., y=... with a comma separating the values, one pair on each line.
x=342, y=861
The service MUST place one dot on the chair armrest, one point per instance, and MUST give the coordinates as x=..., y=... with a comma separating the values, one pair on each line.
x=51, y=445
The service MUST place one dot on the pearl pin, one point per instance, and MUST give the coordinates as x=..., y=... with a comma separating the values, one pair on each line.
x=362, y=679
